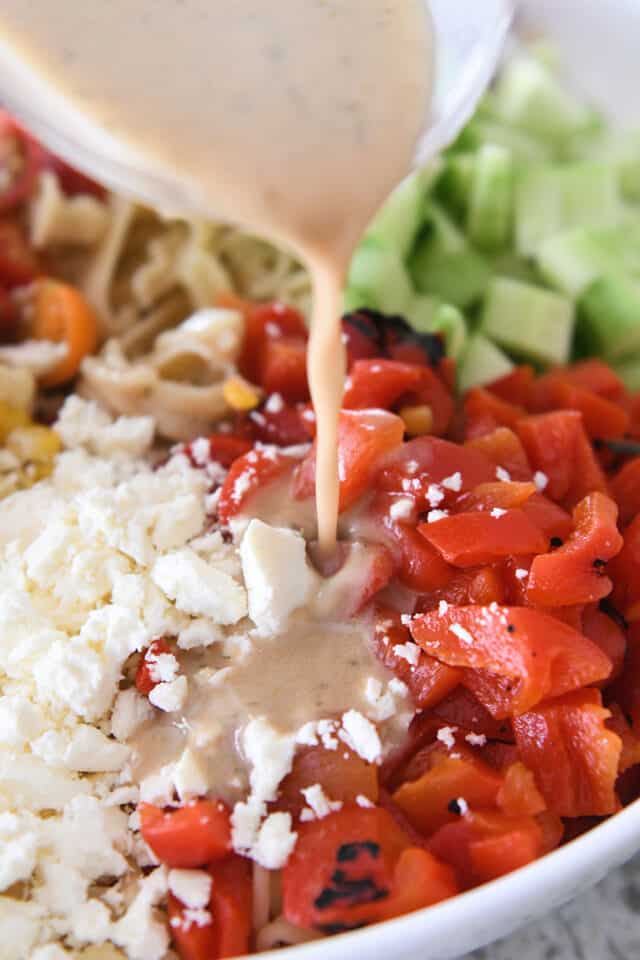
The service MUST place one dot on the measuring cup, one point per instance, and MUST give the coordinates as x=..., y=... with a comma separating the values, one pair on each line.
x=469, y=36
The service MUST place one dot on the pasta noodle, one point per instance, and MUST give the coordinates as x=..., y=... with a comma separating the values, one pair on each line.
x=56, y=220
x=177, y=374
x=281, y=933
x=261, y=896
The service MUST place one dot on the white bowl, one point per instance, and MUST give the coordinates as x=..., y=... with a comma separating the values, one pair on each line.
x=599, y=41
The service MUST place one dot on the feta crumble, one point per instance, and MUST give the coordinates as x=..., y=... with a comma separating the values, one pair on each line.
x=446, y=735
x=461, y=633
x=453, y=482
x=541, y=480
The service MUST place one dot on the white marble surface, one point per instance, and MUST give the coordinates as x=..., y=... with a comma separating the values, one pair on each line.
x=604, y=924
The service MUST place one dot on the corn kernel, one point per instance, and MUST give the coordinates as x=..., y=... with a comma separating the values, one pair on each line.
x=10, y=418
x=417, y=420
x=34, y=443
x=240, y=395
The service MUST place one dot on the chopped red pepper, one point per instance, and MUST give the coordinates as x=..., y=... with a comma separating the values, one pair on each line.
x=187, y=837
x=572, y=754
x=576, y=571
x=514, y=656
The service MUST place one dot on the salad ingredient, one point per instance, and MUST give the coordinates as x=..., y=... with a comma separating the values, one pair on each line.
x=544, y=327
x=62, y=315
x=529, y=222
x=188, y=837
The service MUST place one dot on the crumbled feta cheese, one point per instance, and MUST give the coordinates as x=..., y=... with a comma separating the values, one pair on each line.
x=360, y=734
x=398, y=687
x=434, y=515
x=169, y=697
x=407, y=651
x=453, y=482
x=274, y=403
x=503, y=475
x=307, y=735
x=163, y=667
x=476, y=739
x=270, y=754
x=275, y=841
x=276, y=573
x=363, y=801
x=443, y=606
x=18, y=848
x=89, y=751
x=199, y=588
x=199, y=632
x=521, y=573
x=541, y=480
x=191, y=887
x=320, y=805
x=446, y=735
x=130, y=711
x=405, y=619
x=140, y=931
x=460, y=632
x=21, y=721
x=190, y=776
x=435, y=494
x=383, y=704
x=401, y=509
x=497, y=512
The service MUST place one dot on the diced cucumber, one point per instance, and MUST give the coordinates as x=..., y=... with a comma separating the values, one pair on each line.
x=524, y=147
x=551, y=200
x=398, y=220
x=379, y=273
x=609, y=317
x=518, y=268
x=482, y=362
x=571, y=261
x=445, y=265
x=454, y=184
x=354, y=299
x=621, y=150
x=490, y=206
x=530, y=96
x=422, y=312
x=450, y=322
x=629, y=373
x=532, y=323
x=428, y=315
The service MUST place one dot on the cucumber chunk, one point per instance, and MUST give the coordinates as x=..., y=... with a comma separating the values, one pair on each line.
x=482, y=362
x=532, y=323
x=428, y=315
x=551, y=200
x=454, y=184
x=380, y=275
x=398, y=220
x=629, y=373
x=530, y=96
x=445, y=265
x=609, y=317
x=490, y=205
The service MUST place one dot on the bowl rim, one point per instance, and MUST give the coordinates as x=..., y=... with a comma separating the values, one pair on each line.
x=569, y=869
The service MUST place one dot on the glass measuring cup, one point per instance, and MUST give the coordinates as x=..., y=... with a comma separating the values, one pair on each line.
x=469, y=35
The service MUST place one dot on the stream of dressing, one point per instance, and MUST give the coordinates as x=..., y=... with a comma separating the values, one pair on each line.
x=294, y=118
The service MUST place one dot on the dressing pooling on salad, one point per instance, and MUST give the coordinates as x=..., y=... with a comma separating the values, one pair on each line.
x=295, y=119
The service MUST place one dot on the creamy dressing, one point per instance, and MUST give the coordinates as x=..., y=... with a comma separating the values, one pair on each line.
x=316, y=670
x=295, y=118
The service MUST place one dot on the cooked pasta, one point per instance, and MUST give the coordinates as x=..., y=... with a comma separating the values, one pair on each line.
x=148, y=279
